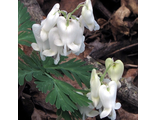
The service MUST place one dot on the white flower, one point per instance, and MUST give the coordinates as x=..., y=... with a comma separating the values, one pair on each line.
x=87, y=17
x=49, y=22
x=108, y=97
x=71, y=35
x=54, y=50
x=94, y=85
x=87, y=110
x=116, y=70
x=40, y=45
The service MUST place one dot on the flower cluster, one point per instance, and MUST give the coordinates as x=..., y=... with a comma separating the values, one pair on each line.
x=61, y=33
x=103, y=92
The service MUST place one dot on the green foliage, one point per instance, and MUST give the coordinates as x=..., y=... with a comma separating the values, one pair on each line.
x=75, y=70
x=25, y=35
x=27, y=66
x=62, y=94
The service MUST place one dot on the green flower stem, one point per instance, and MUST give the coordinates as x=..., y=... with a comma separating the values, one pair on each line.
x=103, y=76
x=70, y=14
x=80, y=5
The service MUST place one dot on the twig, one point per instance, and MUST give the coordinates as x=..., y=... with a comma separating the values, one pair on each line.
x=105, y=12
x=123, y=48
x=131, y=65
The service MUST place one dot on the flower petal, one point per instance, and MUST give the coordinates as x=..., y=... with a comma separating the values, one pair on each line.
x=58, y=42
x=92, y=113
x=53, y=35
x=43, y=35
x=36, y=28
x=35, y=46
x=99, y=105
x=117, y=105
x=74, y=47
x=95, y=101
x=105, y=113
x=96, y=26
x=116, y=70
x=112, y=116
x=95, y=85
x=51, y=19
x=49, y=53
x=57, y=59
x=67, y=33
x=42, y=56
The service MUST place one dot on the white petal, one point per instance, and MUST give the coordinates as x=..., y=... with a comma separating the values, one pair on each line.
x=67, y=33
x=74, y=47
x=54, y=9
x=53, y=35
x=45, y=45
x=106, y=81
x=105, y=113
x=99, y=106
x=57, y=59
x=116, y=70
x=92, y=113
x=83, y=117
x=113, y=115
x=105, y=97
x=42, y=56
x=58, y=42
x=43, y=35
x=51, y=19
x=96, y=26
x=118, y=84
x=35, y=46
x=82, y=48
x=36, y=28
x=94, y=84
x=117, y=105
x=113, y=90
x=95, y=101
x=49, y=53
x=43, y=22
x=87, y=14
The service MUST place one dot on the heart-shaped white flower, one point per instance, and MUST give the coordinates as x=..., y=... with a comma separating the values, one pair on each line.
x=116, y=70
x=87, y=111
x=71, y=35
x=107, y=96
x=54, y=50
x=40, y=45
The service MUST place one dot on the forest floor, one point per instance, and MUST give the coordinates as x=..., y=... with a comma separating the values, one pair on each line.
x=117, y=38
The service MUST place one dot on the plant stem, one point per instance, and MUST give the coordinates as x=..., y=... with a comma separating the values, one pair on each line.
x=47, y=75
x=70, y=14
x=80, y=5
x=103, y=76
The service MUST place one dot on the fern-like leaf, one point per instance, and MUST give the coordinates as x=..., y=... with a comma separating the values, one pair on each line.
x=25, y=35
x=62, y=94
x=27, y=66
x=74, y=69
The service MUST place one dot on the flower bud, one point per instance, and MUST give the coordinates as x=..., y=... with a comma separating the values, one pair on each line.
x=87, y=17
x=49, y=22
x=94, y=85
